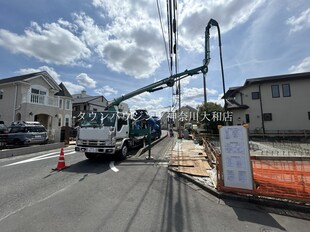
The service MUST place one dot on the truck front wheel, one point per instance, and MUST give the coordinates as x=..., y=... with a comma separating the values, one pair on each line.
x=123, y=152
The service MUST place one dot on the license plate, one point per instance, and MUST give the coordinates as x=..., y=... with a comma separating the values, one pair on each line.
x=90, y=149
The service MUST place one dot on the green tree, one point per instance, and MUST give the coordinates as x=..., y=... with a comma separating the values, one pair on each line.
x=210, y=116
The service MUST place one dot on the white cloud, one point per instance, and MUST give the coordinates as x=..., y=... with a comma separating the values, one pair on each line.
x=106, y=91
x=300, y=22
x=73, y=88
x=192, y=93
x=228, y=14
x=304, y=66
x=187, y=80
x=147, y=101
x=135, y=44
x=50, y=43
x=50, y=71
x=132, y=41
x=129, y=39
x=84, y=80
x=218, y=100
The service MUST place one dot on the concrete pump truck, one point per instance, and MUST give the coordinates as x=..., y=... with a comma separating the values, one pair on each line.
x=113, y=131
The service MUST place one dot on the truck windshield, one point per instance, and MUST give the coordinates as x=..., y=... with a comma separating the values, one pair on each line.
x=97, y=119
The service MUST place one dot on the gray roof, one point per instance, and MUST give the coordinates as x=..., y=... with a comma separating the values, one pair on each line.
x=25, y=77
x=86, y=99
x=63, y=92
x=188, y=107
x=232, y=104
x=295, y=76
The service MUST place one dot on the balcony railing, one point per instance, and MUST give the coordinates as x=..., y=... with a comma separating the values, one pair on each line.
x=40, y=100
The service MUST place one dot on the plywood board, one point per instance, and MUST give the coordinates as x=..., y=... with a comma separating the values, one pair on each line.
x=184, y=163
x=202, y=164
x=196, y=171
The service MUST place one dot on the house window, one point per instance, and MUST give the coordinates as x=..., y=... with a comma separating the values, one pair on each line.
x=67, y=122
x=255, y=95
x=95, y=110
x=85, y=107
x=267, y=116
x=309, y=115
x=1, y=94
x=247, y=118
x=37, y=96
x=286, y=90
x=275, y=91
x=68, y=104
x=60, y=103
x=59, y=122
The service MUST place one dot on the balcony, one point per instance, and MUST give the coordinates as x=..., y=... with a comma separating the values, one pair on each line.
x=40, y=100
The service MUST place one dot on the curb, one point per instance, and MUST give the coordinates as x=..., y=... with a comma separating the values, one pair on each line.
x=250, y=198
x=31, y=149
x=145, y=148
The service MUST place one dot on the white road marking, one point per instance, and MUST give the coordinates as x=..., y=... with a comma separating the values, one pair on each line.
x=41, y=157
x=113, y=168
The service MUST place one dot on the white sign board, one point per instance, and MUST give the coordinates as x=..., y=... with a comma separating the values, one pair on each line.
x=236, y=161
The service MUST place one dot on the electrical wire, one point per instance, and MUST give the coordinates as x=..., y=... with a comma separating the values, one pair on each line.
x=163, y=35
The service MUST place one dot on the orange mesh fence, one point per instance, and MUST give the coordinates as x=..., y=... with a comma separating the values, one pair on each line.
x=279, y=178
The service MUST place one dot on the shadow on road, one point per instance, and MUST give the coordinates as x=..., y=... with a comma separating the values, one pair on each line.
x=243, y=209
x=97, y=166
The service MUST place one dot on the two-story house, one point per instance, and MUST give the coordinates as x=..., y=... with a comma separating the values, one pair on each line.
x=272, y=105
x=36, y=97
x=83, y=102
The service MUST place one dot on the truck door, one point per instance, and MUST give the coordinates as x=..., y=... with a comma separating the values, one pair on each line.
x=122, y=128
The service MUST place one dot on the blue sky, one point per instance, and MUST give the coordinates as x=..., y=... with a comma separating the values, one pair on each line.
x=111, y=48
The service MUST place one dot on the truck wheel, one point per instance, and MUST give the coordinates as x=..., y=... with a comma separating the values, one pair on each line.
x=123, y=152
x=90, y=156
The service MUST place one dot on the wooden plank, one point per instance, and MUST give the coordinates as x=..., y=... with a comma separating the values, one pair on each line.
x=188, y=157
x=202, y=164
x=184, y=163
x=196, y=171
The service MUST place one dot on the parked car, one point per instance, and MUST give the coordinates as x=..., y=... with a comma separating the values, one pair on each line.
x=25, y=133
x=3, y=134
x=3, y=128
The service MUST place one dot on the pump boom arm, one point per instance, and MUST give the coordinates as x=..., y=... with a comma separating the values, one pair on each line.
x=169, y=81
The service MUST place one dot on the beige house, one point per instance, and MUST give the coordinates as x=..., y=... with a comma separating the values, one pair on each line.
x=36, y=97
x=272, y=105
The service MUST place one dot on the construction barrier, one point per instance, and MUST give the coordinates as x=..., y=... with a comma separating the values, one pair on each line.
x=282, y=178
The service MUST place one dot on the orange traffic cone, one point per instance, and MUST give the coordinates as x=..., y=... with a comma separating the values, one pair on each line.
x=61, y=161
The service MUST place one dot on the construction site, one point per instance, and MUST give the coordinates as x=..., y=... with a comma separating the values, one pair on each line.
x=280, y=169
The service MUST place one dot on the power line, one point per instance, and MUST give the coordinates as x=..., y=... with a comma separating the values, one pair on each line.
x=163, y=34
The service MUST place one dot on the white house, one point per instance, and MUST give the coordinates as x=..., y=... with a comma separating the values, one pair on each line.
x=272, y=105
x=36, y=97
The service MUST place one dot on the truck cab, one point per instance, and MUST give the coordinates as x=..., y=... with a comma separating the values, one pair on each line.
x=108, y=132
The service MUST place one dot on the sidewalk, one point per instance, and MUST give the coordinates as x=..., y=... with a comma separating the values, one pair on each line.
x=189, y=161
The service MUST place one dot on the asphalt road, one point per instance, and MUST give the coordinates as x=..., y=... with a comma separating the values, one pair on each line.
x=107, y=195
